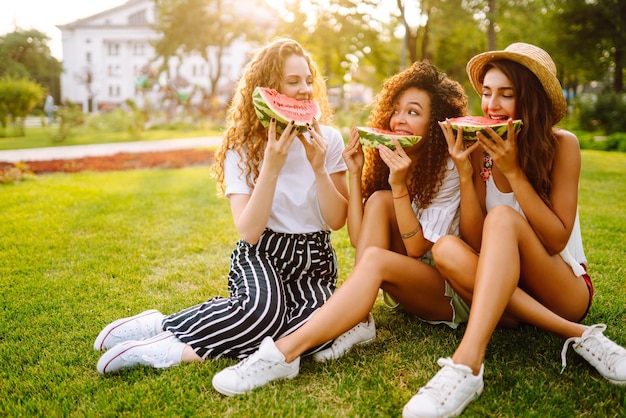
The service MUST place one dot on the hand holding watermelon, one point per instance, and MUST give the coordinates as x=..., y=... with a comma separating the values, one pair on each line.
x=503, y=152
x=315, y=147
x=277, y=148
x=398, y=162
x=353, y=153
x=459, y=149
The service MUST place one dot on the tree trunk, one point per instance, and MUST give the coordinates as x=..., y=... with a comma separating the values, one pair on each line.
x=491, y=32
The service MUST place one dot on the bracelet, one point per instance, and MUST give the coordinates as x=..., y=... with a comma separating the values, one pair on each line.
x=401, y=196
x=413, y=232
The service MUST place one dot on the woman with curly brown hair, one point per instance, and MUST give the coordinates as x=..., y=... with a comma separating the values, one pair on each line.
x=406, y=210
x=286, y=194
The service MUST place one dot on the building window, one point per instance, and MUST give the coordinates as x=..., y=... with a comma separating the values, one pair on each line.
x=138, y=50
x=138, y=18
x=114, y=91
x=114, y=49
x=88, y=57
x=114, y=70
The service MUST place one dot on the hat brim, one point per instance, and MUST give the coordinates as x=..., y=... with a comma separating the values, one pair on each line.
x=550, y=83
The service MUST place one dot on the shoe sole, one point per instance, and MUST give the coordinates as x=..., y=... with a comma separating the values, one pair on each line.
x=113, y=353
x=98, y=344
x=227, y=392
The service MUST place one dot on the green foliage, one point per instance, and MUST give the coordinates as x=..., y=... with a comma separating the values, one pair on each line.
x=592, y=34
x=70, y=115
x=18, y=96
x=605, y=112
x=349, y=39
x=25, y=54
x=81, y=250
x=204, y=27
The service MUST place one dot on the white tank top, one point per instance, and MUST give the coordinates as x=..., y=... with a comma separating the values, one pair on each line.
x=572, y=254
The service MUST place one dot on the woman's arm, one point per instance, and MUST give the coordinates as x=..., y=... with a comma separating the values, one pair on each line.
x=409, y=226
x=332, y=190
x=355, y=159
x=553, y=225
x=468, y=162
x=251, y=212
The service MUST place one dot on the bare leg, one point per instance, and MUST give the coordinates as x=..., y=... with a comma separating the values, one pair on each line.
x=411, y=281
x=511, y=256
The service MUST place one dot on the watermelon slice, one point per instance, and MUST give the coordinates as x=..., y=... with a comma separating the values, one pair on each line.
x=268, y=104
x=473, y=124
x=373, y=137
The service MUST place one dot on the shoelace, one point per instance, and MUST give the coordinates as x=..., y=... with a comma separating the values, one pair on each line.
x=439, y=387
x=156, y=363
x=242, y=368
x=596, y=346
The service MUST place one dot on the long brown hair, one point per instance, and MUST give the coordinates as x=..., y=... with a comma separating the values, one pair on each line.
x=536, y=142
x=448, y=100
x=244, y=132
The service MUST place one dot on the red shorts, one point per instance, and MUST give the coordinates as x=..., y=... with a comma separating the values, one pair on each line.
x=587, y=280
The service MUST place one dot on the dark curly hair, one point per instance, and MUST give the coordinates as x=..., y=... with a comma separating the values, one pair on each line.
x=448, y=100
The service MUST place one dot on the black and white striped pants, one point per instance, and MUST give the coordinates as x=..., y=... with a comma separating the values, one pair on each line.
x=275, y=286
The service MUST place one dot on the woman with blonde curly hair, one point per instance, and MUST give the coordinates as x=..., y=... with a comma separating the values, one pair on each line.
x=406, y=199
x=286, y=193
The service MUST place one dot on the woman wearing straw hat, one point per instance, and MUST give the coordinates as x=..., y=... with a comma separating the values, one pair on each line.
x=521, y=259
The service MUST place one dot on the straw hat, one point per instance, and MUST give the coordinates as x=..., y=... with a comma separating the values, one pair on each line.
x=532, y=57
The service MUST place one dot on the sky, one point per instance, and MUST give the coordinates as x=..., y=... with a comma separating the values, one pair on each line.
x=46, y=15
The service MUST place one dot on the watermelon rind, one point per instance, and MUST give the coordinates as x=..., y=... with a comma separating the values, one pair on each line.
x=470, y=128
x=371, y=137
x=265, y=112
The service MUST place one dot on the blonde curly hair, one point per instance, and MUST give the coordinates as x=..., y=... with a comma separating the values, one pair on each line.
x=448, y=100
x=244, y=132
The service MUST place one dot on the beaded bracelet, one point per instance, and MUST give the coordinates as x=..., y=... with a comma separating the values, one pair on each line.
x=413, y=232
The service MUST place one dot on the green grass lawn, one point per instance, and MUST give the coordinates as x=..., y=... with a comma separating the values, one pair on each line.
x=41, y=137
x=80, y=250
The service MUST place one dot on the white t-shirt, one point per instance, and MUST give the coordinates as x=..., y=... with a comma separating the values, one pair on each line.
x=295, y=208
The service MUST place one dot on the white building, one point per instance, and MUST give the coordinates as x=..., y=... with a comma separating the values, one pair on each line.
x=106, y=57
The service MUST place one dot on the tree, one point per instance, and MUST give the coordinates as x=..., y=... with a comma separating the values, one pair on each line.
x=594, y=31
x=204, y=27
x=351, y=40
x=25, y=53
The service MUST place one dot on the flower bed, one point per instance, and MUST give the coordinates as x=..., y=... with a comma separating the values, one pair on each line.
x=120, y=161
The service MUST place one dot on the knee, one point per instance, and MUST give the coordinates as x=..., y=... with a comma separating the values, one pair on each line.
x=379, y=201
x=444, y=251
x=502, y=217
x=370, y=260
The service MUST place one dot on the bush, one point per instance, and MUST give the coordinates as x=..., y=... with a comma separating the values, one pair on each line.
x=605, y=112
x=18, y=97
x=70, y=115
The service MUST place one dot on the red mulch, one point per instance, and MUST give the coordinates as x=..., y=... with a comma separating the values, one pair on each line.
x=121, y=161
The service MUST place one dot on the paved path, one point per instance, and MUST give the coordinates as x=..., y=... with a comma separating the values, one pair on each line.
x=96, y=150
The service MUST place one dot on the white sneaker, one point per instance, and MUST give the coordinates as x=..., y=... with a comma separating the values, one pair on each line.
x=608, y=358
x=361, y=334
x=160, y=352
x=260, y=368
x=141, y=326
x=447, y=393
